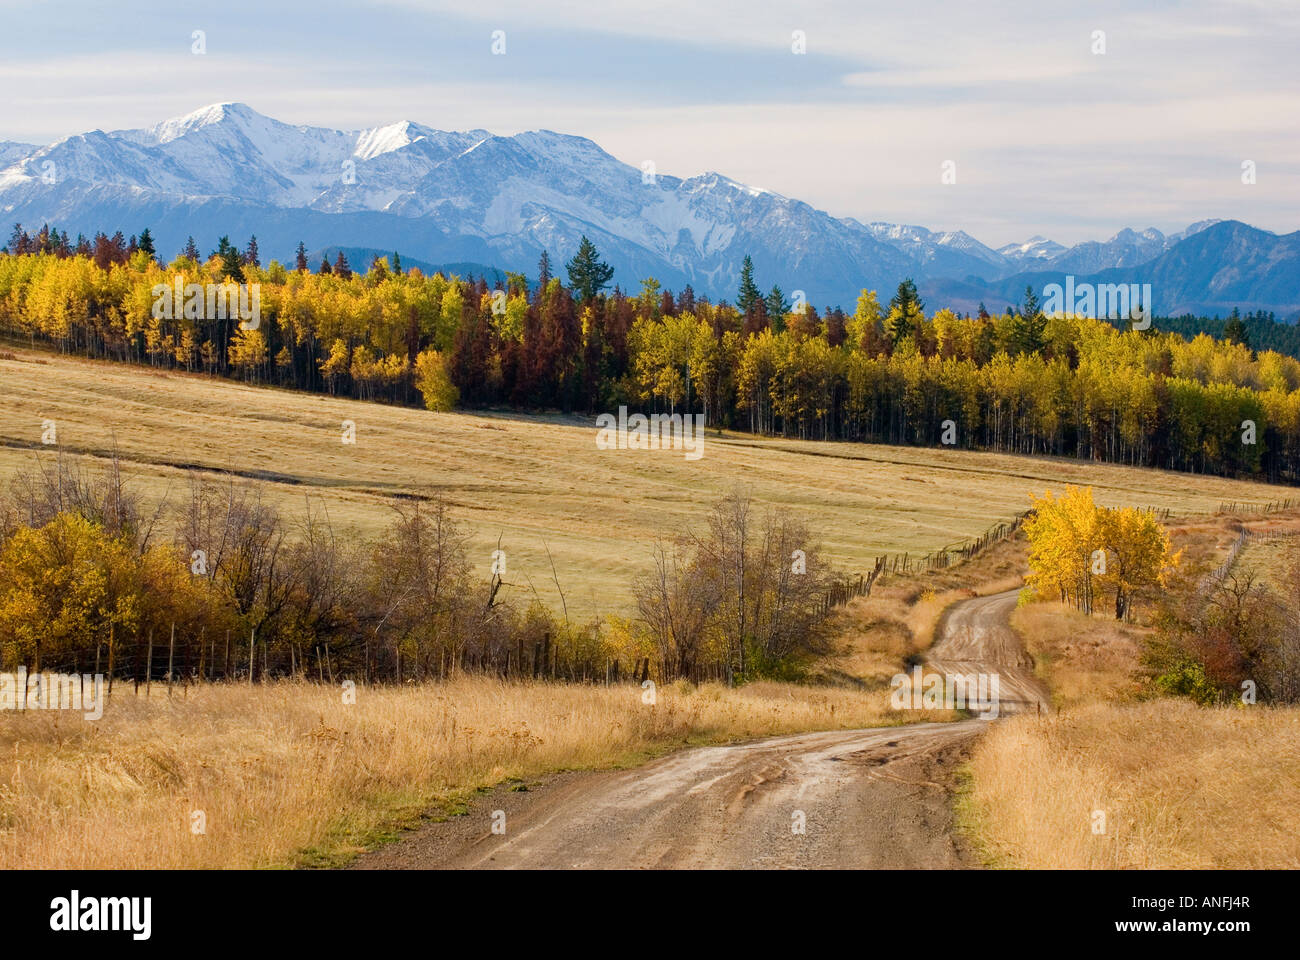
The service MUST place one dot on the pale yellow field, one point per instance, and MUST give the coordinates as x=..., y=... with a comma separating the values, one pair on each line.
x=288, y=773
x=540, y=481
x=1270, y=561
x=1167, y=784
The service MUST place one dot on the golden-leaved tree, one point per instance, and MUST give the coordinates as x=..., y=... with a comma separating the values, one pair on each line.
x=1078, y=550
x=1137, y=554
x=433, y=381
x=62, y=586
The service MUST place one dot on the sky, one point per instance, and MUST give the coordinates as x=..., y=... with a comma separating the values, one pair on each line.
x=1042, y=134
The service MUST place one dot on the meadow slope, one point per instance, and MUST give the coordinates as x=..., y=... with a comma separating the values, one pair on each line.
x=538, y=482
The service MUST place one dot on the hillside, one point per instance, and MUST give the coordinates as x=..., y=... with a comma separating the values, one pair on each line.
x=539, y=482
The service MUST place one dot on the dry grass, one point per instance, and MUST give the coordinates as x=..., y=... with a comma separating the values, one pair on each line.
x=540, y=481
x=1180, y=786
x=1082, y=659
x=1270, y=562
x=1206, y=541
x=874, y=636
x=289, y=774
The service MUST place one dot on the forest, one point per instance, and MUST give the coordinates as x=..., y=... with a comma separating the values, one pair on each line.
x=887, y=372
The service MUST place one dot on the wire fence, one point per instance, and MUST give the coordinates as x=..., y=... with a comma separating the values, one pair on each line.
x=843, y=591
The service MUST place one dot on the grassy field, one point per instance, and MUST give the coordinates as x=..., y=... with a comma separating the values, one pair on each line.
x=1269, y=560
x=539, y=482
x=287, y=774
x=1179, y=786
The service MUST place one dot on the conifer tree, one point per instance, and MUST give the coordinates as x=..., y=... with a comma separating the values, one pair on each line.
x=18, y=241
x=300, y=262
x=588, y=274
x=1234, y=331
x=906, y=311
x=231, y=260
x=777, y=306
x=1029, y=330
x=748, y=293
x=543, y=271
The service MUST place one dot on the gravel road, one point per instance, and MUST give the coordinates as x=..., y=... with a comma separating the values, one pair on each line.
x=876, y=798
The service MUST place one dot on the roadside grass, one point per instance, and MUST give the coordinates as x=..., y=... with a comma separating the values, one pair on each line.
x=1178, y=786
x=287, y=774
x=877, y=636
x=1082, y=659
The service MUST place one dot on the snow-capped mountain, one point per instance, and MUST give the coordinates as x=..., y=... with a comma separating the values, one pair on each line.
x=1032, y=253
x=472, y=196
x=952, y=253
x=12, y=151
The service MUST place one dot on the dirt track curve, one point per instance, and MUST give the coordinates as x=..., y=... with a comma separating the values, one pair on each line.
x=975, y=636
x=876, y=798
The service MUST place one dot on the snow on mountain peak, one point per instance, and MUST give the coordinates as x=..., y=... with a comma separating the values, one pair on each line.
x=394, y=136
x=472, y=195
x=1036, y=248
x=212, y=114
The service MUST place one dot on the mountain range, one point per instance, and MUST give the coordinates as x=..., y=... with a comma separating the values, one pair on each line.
x=474, y=197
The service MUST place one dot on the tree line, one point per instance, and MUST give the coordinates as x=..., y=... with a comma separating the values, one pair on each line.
x=218, y=585
x=888, y=372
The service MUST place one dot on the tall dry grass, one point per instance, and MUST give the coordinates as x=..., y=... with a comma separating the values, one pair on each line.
x=1180, y=787
x=1082, y=659
x=288, y=773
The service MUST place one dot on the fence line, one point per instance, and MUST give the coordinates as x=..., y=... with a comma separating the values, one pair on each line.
x=1220, y=573
x=842, y=592
x=1229, y=506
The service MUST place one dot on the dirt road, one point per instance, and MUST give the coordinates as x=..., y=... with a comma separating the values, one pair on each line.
x=975, y=636
x=868, y=798
x=878, y=798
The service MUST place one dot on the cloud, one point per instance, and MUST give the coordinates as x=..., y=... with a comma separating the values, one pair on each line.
x=1048, y=137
